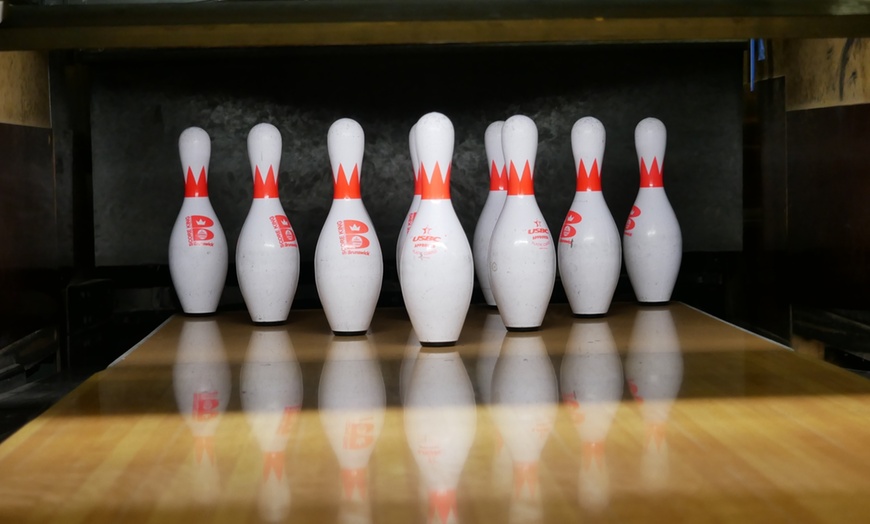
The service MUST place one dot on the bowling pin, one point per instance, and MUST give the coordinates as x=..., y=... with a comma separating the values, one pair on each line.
x=491, y=209
x=437, y=264
x=351, y=407
x=267, y=254
x=590, y=251
x=202, y=384
x=652, y=240
x=592, y=383
x=654, y=372
x=348, y=265
x=271, y=384
x=415, y=202
x=522, y=257
x=440, y=422
x=197, y=244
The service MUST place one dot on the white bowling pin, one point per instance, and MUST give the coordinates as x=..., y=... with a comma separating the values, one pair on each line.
x=522, y=257
x=491, y=209
x=348, y=265
x=652, y=240
x=197, y=245
x=351, y=407
x=590, y=251
x=415, y=202
x=654, y=372
x=525, y=398
x=271, y=384
x=201, y=382
x=437, y=264
x=592, y=384
x=267, y=254
x=440, y=422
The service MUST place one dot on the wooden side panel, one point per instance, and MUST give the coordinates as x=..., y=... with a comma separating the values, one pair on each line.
x=827, y=72
x=24, y=89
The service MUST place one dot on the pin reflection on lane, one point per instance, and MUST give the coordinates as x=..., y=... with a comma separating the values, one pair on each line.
x=491, y=341
x=654, y=370
x=351, y=406
x=271, y=384
x=440, y=422
x=591, y=379
x=202, y=386
x=525, y=400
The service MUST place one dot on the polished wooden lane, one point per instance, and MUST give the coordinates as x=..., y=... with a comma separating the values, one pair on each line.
x=650, y=415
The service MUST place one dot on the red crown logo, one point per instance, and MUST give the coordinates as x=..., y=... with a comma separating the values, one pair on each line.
x=195, y=187
x=590, y=181
x=497, y=180
x=437, y=187
x=267, y=188
x=442, y=503
x=520, y=184
x=354, y=481
x=345, y=188
x=273, y=461
x=652, y=176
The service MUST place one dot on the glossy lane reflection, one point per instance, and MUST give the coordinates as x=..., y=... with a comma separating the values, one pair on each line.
x=202, y=385
x=491, y=339
x=271, y=394
x=654, y=371
x=440, y=423
x=592, y=386
x=351, y=405
x=525, y=396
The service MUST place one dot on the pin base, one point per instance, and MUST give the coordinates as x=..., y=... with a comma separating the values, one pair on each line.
x=269, y=323
x=199, y=315
x=523, y=329
x=349, y=333
x=589, y=315
x=661, y=303
x=438, y=344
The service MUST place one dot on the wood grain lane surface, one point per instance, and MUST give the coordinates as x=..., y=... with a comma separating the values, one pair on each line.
x=649, y=415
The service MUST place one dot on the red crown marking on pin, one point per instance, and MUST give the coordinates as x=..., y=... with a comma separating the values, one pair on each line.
x=345, y=188
x=353, y=481
x=267, y=188
x=436, y=187
x=497, y=179
x=273, y=462
x=203, y=447
x=520, y=184
x=526, y=474
x=593, y=452
x=442, y=503
x=418, y=187
x=588, y=181
x=652, y=176
x=195, y=187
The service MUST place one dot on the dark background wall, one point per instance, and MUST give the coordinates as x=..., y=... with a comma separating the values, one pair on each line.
x=139, y=106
